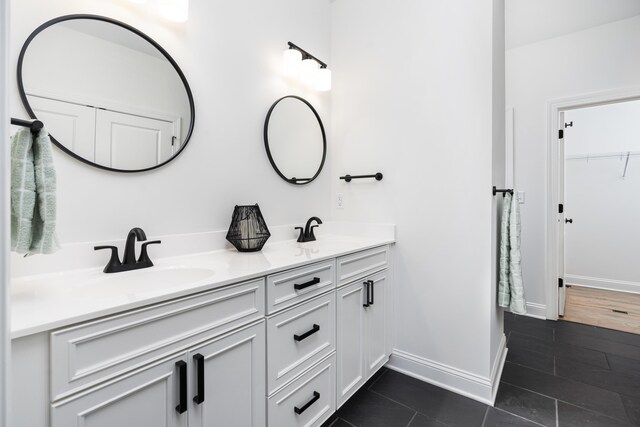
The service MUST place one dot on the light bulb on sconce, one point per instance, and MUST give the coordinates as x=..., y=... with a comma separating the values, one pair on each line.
x=310, y=71
x=291, y=62
x=138, y=1
x=174, y=10
x=323, y=80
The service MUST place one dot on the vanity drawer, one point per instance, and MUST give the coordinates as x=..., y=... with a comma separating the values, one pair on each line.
x=290, y=287
x=299, y=337
x=91, y=352
x=356, y=266
x=308, y=401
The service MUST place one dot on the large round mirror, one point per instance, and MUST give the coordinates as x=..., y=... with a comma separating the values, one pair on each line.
x=295, y=140
x=108, y=94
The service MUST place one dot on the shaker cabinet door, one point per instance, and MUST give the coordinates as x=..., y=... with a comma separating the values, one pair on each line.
x=228, y=380
x=377, y=353
x=350, y=340
x=146, y=397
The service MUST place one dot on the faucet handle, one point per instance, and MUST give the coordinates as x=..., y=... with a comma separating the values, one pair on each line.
x=301, y=236
x=114, y=261
x=311, y=235
x=144, y=256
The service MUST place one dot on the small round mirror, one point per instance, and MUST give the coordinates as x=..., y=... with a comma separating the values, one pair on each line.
x=108, y=94
x=295, y=140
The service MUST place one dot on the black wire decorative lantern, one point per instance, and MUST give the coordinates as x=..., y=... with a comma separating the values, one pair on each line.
x=248, y=231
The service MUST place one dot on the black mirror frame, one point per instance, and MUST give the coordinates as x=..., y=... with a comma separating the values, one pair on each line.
x=25, y=101
x=293, y=180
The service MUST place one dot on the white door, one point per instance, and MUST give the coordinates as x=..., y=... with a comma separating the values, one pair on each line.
x=350, y=345
x=377, y=318
x=72, y=125
x=147, y=397
x=227, y=380
x=126, y=141
x=561, y=161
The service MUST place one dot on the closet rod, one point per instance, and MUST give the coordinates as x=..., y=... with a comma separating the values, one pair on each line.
x=34, y=125
x=619, y=155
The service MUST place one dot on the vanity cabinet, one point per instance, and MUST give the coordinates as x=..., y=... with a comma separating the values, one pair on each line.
x=285, y=350
x=363, y=347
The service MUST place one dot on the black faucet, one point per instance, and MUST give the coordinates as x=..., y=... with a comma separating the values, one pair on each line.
x=129, y=261
x=307, y=235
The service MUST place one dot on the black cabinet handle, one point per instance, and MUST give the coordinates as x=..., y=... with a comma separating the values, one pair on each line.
x=199, y=359
x=370, y=302
x=366, y=297
x=307, y=334
x=312, y=282
x=315, y=397
x=182, y=378
x=570, y=221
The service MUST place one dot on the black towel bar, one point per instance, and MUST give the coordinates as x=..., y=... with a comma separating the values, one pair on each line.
x=34, y=125
x=348, y=178
x=502, y=190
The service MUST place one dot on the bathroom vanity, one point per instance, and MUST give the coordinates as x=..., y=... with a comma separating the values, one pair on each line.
x=280, y=337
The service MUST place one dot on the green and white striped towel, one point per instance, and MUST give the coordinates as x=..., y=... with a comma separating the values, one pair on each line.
x=33, y=194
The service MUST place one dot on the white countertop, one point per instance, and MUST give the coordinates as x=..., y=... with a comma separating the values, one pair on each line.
x=49, y=301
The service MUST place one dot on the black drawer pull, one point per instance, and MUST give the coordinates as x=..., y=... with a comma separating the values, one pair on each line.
x=182, y=379
x=199, y=359
x=371, y=285
x=366, y=297
x=307, y=334
x=315, y=397
x=312, y=282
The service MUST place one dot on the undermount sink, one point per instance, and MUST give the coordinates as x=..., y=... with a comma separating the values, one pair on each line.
x=154, y=277
x=99, y=285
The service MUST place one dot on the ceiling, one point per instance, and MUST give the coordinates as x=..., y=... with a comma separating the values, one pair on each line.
x=530, y=21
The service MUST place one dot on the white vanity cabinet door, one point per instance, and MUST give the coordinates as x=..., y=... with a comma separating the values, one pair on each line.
x=234, y=380
x=363, y=334
x=350, y=346
x=147, y=397
x=377, y=321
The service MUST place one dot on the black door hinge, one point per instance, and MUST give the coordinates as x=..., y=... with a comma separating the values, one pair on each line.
x=560, y=208
x=560, y=282
x=561, y=134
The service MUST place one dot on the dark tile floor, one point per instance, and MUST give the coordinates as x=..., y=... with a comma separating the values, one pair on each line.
x=558, y=374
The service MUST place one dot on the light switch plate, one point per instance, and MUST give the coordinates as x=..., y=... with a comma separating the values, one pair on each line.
x=521, y=197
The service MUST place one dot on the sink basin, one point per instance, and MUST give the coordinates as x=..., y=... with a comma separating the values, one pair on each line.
x=152, y=278
x=95, y=284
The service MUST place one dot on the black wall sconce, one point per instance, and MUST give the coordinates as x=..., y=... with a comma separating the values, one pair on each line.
x=311, y=71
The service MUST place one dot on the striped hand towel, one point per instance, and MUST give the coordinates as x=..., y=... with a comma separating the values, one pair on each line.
x=33, y=194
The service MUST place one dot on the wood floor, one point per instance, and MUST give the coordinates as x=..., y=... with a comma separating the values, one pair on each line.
x=607, y=309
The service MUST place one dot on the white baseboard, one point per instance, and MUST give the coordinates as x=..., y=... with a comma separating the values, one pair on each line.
x=600, y=283
x=539, y=311
x=473, y=386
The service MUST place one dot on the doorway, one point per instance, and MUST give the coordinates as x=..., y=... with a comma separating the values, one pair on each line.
x=598, y=215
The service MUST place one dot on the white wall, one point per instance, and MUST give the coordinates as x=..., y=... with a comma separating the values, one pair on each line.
x=413, y=98
x=231, y=55
x=603, y=242
x=5, y=343
x=585, y=62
